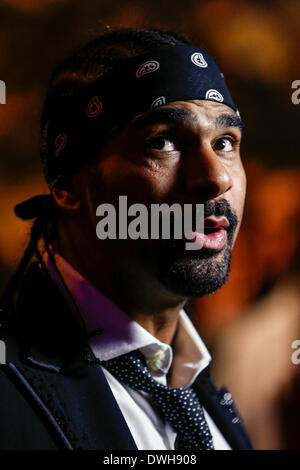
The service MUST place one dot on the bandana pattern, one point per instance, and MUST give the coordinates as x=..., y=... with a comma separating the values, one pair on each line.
x=80, y=125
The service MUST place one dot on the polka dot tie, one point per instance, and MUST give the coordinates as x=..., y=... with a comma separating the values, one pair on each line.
x=179, y=406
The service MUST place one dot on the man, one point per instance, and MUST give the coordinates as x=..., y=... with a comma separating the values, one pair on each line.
x=106, y=357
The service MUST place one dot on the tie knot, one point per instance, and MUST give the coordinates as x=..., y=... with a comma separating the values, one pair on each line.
x=131, y=369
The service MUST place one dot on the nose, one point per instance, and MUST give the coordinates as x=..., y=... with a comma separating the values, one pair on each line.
x=206, y=176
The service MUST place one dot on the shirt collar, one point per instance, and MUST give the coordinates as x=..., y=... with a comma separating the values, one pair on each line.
x=188, y=354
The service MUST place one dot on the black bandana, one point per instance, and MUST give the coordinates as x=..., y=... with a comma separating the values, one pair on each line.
x=171, y=73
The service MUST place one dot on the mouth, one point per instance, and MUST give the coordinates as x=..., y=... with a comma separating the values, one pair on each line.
x=214, y=237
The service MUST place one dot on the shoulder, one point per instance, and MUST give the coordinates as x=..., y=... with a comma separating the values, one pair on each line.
x=20, y=427
x=30, y=329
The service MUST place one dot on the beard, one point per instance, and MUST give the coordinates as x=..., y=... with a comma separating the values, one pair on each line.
x=201, y=272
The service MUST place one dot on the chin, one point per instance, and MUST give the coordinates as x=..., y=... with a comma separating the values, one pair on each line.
x=196, y=276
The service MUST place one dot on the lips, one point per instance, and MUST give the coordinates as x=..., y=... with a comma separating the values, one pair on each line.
x=215, y=236
x=215, y=223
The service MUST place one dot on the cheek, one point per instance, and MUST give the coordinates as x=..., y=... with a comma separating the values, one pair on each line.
x=237, y=193
x=242, y=189
x=145, y=180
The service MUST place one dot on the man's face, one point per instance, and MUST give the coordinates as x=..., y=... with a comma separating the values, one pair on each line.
x=185, y=152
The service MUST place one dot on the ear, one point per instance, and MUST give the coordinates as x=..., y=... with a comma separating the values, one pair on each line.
x=68, y=195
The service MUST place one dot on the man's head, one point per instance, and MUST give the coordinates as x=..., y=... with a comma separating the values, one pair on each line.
x=184, y=151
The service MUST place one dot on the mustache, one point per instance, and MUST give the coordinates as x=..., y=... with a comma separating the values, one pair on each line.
x=218, y=208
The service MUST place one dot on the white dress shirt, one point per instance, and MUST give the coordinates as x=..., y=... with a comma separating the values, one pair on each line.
x=188, y=357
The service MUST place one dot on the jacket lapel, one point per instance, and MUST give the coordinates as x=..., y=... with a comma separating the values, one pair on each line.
x=77, y=406
x=219, y=405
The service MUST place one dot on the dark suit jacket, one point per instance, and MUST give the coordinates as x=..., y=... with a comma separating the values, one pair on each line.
x=53, y=393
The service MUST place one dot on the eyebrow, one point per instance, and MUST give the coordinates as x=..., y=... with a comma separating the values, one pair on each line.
x=229, y=120
x=170, y=114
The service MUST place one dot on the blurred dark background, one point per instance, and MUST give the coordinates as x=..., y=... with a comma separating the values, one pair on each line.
x=256, y=44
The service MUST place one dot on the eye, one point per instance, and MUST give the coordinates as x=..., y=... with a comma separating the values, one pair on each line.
x=160, y=142
x=224, y=144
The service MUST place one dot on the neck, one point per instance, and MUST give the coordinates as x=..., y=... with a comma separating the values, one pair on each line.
x=125, y=283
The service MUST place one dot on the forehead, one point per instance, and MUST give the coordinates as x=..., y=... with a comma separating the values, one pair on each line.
x=196, y=113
